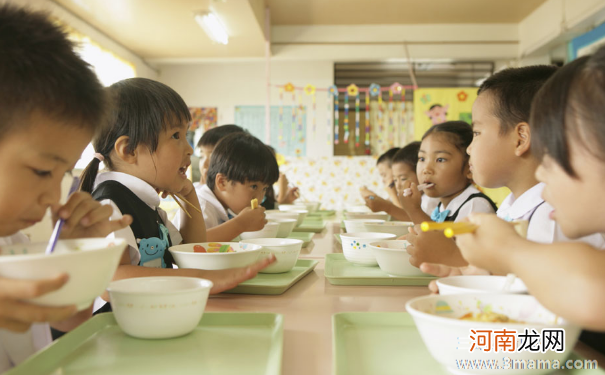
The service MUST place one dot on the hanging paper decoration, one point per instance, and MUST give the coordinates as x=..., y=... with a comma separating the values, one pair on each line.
x=293, y=124
x=333, y=92
x=310, y=90
x=346, y=121
x=301, y=109
x=390, y=128
x=281, y=116
x=367, y=136
x=353, y=90
x=289, y=87
x=374, y=89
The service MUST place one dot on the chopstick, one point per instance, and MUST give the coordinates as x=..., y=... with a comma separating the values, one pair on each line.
x=189, y=203
x=180, y=205
x=452, y=229
x=55, y=235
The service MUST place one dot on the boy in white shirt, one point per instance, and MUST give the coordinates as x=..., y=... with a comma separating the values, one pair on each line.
x=241, y=169
x=51, y=103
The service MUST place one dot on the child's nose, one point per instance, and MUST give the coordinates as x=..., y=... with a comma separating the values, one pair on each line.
x=468, y=149
x=52, y=195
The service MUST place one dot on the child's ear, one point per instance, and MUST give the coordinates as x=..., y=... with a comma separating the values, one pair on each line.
x=121, y=149
x=221, y=181
x=523, y=141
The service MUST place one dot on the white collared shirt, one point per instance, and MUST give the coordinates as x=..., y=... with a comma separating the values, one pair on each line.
x=428, y=204
x=212, y=209
x=16, y=347
x=541, y=228
x=473, y=206
x=147, y=194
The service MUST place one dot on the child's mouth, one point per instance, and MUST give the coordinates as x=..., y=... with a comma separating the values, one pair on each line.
x=183, y=171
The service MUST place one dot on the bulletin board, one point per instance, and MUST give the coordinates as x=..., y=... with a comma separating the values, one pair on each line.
x=288, y=136
x=438, y=105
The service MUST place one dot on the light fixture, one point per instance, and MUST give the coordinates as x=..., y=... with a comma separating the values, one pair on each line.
x=213, y=26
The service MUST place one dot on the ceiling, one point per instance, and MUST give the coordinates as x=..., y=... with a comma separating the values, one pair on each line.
x=165, y=29
x=358, y=12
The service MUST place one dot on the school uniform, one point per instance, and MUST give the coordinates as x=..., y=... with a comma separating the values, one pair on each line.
x=151, y=233
x=212, y=209
x=469, y=201
x=16, y=347
x=532, y=207
x=428, y=204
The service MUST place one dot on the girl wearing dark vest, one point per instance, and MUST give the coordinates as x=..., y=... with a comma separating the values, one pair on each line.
x=443, y=167
x=146, y=153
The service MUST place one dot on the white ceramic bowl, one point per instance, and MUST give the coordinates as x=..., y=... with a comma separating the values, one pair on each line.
x=285, y=226
x=269, y=231
x=90, y=264
x=185, y=256
x=292, y=207
x=478, y=284
x=393, y=258
x=449, y=339
x=360, y=225
x=286, y=251
x=159, y=307
x=299, y=215
x=367, y=215
x=356, y=249
x=398, y=228
x=357, y=208
x=309, y=206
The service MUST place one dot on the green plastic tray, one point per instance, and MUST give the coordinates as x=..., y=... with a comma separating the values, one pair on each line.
x=338, y=239
x=389, y=344
x=305, y=237
x=222, y=343
x=323, y=213
x=314, y=226
x=275, y=283
x=340, y=271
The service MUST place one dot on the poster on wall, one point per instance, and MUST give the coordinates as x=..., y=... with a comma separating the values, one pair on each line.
x=288, y=133
x=587, y=44
x=438, y=105
x=202, y=118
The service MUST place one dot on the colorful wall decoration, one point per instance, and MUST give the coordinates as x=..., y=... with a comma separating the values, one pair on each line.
x=203, y=118
x=288, y=133
x=437, y=105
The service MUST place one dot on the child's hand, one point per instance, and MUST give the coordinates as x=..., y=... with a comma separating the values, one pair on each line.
x=251, y=220
x=412, y=201
x=290, y=196
x=491, y=245
x=441, y=270
x=230, y=278
x=18, y=316
x=432, y=247
x=365, y=192
x=85, y=217
x=377, y=204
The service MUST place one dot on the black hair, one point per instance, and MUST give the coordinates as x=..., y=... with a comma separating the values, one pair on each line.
x=40, y=72
x=142, y=109
x=212, y=136
x=513, y=90
x=570, y=106
x=407, y=155
x=242, y=157
x=387, y=156
x=459, y=133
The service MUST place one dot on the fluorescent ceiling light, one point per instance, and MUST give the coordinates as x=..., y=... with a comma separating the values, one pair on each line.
x=213, y=26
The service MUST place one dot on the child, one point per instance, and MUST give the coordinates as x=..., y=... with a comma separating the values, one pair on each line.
x=51, y=103
x=568, y=136
x=207, y=143
x=290, y=195
x=373, y=201
x=146, y=153
x=443, y=167
x=502, y=132
x=241, y=169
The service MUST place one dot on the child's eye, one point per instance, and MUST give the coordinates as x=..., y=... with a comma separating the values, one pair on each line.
x=176, y=135
x=254, y=187
x=476, y=134
x=41, y=173
x=441, y=160
x=420, y=158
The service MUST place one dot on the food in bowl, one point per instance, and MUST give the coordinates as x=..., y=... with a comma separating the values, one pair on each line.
x=192, y=256
x=159, y=307
x=90, y=263
x=488, y=316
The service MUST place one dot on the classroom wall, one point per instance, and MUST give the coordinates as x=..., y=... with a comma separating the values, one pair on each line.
x=229, y=84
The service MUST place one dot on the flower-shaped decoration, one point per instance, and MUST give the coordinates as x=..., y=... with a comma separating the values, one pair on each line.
x=333, y=90
x=397, y=88
x=309, y=90
x=289, y=87
x=353, y=90
x=462, y=96
x=374, y=89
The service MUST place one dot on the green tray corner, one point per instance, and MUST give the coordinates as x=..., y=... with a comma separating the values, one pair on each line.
x=275, y=283
x=305, y=237
x=99, y=346
x=314, y=226
x=339, y=271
